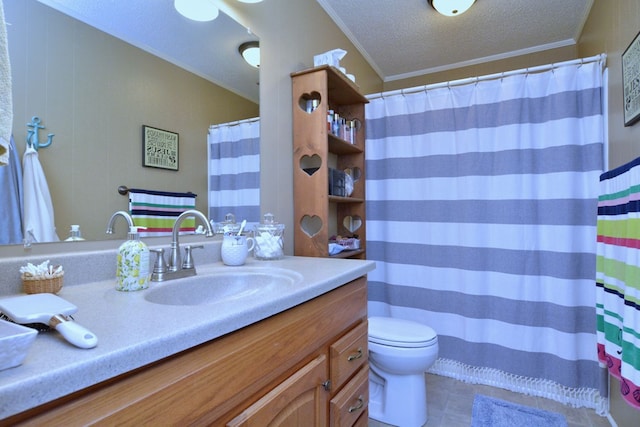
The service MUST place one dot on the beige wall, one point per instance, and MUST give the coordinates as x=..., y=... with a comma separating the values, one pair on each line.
x=611, y=26
x=94, y=93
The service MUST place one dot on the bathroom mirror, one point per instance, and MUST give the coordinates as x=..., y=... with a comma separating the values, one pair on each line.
x=95, y=88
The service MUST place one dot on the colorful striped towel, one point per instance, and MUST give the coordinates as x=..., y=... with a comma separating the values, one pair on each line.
x=618, y=277
x=158, y=210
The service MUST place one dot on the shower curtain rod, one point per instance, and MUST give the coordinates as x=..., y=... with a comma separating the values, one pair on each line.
x=236, y=123
x=602, y=58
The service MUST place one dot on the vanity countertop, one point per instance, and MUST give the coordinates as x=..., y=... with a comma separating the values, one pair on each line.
x=133, y=332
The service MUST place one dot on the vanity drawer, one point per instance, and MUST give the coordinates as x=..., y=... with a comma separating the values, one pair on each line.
x=363, y=421
x=351, y=403
x=348, y=354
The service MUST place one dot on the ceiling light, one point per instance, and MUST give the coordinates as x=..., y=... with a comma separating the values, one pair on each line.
x=250, y=51
x=197, y=10
x=249, y=1
x=451, y=7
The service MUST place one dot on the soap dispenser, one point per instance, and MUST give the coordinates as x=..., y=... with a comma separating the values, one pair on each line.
x=74, y=234
x=132, y=273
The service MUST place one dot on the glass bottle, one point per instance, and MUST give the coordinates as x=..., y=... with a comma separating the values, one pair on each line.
x=74, y=234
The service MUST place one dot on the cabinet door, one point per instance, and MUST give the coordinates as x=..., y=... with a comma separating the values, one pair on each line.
x=300, y=400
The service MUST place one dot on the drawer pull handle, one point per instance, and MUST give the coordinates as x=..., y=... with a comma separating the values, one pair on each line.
x=355, y=356
x=358, y=406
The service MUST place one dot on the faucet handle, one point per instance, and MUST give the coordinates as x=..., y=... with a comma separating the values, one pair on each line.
x=187, y=263
x=160, y=266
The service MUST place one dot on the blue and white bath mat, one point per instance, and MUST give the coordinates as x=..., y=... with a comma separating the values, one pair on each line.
x=490, y=412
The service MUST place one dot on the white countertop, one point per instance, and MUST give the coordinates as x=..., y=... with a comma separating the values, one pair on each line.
x=133, y=332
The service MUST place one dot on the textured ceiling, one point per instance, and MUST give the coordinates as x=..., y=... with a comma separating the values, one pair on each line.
x=208, y=49
x=399, y=38
x=406, y=38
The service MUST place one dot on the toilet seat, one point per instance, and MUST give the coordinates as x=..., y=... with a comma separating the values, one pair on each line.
x=400, y=333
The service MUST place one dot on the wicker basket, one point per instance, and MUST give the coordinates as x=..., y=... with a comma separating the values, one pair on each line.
x=32, y=285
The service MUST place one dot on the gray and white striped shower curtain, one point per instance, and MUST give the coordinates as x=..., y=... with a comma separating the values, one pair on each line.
x=234, y=170
x=481, y=215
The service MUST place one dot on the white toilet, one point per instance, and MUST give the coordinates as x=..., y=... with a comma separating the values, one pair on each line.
x=400, y=352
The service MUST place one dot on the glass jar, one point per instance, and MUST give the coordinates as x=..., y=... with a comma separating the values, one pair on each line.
x=228, y=226
x=269, y=239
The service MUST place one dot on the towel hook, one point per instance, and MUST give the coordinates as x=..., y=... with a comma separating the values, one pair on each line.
x=32, y=135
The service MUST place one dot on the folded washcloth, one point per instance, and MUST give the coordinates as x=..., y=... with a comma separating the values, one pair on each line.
x=335, y=248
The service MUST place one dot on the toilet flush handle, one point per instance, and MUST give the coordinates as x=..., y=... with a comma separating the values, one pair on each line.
x=357, y=355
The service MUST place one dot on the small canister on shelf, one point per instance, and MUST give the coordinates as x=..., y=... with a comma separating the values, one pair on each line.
x=228, y=226
x=269, y=239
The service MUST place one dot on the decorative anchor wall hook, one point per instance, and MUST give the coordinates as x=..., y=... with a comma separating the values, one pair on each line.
x=32, y=135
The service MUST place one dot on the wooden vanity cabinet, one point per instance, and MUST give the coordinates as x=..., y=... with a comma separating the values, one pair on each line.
x=306, y=366
x=299, y=400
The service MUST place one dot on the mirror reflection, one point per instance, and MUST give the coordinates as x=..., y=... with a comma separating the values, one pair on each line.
x=95, y=92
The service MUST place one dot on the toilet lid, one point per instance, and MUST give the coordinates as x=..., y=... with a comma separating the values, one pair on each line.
x=400, y=332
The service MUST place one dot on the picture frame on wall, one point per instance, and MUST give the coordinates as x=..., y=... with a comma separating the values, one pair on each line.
x=160, y=148
x=631, y=81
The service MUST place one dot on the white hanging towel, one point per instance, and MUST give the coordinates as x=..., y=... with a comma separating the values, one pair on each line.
x=6, y=102
x=39, y=224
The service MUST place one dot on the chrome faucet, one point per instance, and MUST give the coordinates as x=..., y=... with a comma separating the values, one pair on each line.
x=175, y=268
x=174, y=260
x=123, y=214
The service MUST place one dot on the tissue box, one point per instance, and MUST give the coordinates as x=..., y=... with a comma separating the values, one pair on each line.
x=331, y=57
x=15, y=341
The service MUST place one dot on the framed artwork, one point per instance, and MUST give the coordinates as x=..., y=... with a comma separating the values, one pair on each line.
x=159, y=148
x=631, y=81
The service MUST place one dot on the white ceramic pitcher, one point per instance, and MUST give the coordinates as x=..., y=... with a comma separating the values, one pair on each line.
x=236, y=248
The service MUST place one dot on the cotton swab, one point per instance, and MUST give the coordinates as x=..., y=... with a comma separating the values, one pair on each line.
x=244, y=222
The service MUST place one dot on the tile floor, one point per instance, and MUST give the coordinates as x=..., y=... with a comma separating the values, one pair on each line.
x=450, y=403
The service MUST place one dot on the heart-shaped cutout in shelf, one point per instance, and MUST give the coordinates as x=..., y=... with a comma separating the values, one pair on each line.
x=311, y=225
x=309, y=102
x=310, y=164
x=352, y=223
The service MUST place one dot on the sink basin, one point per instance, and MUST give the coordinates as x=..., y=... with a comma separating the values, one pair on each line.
x=224, y=286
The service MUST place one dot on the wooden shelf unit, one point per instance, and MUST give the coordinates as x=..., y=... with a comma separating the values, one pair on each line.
x=318, y=215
